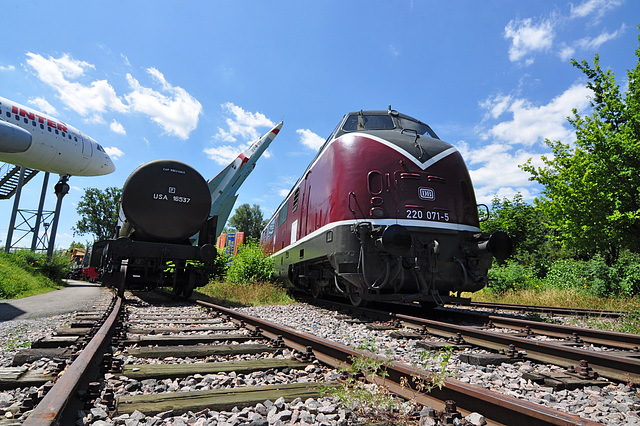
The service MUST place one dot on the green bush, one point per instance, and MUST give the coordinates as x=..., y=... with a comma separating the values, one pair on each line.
x=512, y=275
x=250, y=264
x=37, y=263
x=593, y=276
x=220, y=265
x=627, y=271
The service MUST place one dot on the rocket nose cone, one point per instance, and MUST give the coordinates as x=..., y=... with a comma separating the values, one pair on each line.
x=13, y=139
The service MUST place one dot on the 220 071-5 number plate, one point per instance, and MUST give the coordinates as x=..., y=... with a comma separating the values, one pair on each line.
x=437, y=215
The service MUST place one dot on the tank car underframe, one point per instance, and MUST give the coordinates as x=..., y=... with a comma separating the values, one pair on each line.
x=350, y=260
x=144, y=264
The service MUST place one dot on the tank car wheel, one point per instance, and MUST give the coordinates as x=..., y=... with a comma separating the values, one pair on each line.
x=187, y=291
x=122, y=280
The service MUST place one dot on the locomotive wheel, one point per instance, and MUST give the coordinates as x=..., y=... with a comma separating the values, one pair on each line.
x=428, y=305
x=316, y=290
x=355, y=297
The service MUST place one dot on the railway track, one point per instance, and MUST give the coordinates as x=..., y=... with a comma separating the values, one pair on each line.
x=169, y=363
x=587, y=353
x=557, y=310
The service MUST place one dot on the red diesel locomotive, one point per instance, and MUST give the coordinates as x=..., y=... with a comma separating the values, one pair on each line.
x=385, y=212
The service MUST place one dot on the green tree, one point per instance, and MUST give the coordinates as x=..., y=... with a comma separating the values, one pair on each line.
x=592, y=190
x=74, y=245
x=98, y=212
x=522, y=222
x=249, y=220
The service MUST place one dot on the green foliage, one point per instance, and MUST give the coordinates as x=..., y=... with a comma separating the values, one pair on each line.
x=592, y=190
x=23, y=273
x=592, y=276
x=251, y=264
x=220, y=265
x=248, y=219
x=98, y=212
x=251, y=294
x=74, y=245
x=513, y=275
x=375, y=400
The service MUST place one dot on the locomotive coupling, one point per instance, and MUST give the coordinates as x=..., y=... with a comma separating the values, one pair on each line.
x=499, y=245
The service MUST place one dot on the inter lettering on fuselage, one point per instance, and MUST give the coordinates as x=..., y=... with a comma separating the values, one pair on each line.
x=42, y=120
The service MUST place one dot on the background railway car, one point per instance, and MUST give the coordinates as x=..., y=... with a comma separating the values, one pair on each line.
x=385, y=211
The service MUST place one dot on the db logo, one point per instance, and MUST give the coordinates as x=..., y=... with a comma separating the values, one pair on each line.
x=426, y=193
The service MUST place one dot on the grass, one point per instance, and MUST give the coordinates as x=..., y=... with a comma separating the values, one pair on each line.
x=570, y=298
x=16, y=282
x=247, y=294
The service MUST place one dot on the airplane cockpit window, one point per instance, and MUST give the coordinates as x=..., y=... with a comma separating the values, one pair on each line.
x=100, y=148
x=359, y=121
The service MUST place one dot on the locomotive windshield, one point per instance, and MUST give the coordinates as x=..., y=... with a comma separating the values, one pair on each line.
x=362, y=121
x=421, y=128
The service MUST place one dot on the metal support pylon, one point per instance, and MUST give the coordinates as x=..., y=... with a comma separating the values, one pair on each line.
x=40, y=224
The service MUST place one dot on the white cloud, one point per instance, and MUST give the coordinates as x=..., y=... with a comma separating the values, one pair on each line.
x=224, y=154
x=595, y=42
x=43, y=105
x=117, y=128
x=593, y=7
x=97, y=97
x=527, y=38
x=310, y=139
x=176, y=112
x=531, y=124
x=113, y=152
x=566, y=52
x=7, y=68
x=499, y=172
x=243, y=125
x=284, y=192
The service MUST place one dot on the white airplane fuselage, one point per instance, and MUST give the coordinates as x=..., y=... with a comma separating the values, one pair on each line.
x=35, y=140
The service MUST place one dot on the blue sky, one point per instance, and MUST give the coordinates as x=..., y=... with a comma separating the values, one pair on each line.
x=197, y=81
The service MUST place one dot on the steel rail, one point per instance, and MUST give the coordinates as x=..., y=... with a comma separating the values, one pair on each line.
x=50, y=409
x=588, y=335
x=560, y=310
x=499, y=409
x=613, y=339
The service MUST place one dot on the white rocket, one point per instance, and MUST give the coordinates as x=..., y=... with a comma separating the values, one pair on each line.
x=224, y=186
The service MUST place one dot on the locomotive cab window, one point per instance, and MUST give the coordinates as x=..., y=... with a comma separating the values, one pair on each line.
x=359, y=122
x=418, y=126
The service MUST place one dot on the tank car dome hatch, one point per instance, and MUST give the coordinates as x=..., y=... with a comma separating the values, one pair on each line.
x=165, y=201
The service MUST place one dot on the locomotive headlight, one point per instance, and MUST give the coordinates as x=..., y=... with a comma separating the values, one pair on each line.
x=396, y=240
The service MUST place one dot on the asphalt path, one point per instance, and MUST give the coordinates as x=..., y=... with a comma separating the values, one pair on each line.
x=77, y=296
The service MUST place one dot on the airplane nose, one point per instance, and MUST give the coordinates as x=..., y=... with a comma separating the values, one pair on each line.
x=13, y=139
